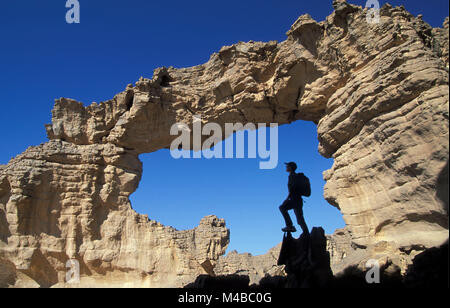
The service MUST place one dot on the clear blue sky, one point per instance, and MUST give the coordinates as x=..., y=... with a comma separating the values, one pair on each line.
x=43, y=58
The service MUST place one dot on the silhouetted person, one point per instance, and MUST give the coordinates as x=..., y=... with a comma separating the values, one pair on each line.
x=297, y=188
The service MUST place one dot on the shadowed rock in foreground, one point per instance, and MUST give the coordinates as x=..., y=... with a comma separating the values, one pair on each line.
x=306, y=260
x=307, y=265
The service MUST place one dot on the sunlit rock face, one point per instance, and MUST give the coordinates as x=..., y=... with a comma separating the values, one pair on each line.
x=378, y=93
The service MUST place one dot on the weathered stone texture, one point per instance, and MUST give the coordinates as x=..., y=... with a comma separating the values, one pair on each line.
x=63, y=201
x=255, y=267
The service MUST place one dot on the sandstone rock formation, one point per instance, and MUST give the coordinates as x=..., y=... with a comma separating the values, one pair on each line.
x=306, y=260
x=255, y=267
x=295, y=263
x=378, y=93
x=62, y=201
x=342, y=252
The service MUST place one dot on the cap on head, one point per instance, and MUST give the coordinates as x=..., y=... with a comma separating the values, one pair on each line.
x=292, y=165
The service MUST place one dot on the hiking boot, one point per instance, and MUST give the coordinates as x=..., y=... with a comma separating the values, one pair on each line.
x=289, y=229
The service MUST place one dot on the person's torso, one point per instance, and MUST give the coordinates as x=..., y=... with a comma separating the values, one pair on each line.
x=292, y=187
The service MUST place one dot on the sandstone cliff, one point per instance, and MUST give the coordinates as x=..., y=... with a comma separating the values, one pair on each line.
x=378, y=93
x=62, y=201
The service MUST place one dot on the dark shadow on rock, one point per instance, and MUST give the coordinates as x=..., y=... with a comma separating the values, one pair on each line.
x=429, y=269
x=5, y=195
x=8, y=274
x=41, y=270
x=220, y=282
x=353, y=277
x=306, y=260
x=271, y=282
x=307, y=265
x=442, y=187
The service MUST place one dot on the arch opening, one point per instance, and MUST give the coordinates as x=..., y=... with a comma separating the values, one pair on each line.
x=179, y=192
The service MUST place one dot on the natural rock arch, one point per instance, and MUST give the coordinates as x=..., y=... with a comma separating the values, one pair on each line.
x=378, y=92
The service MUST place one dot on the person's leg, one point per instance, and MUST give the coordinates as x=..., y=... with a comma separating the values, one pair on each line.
x=284, y=211
x=298, y=210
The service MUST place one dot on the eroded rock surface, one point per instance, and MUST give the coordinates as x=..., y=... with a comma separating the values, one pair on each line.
x=61, y=201
x=255, y=267
x=378, y=93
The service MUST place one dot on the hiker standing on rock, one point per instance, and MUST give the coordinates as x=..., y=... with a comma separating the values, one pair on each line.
x=298, y=186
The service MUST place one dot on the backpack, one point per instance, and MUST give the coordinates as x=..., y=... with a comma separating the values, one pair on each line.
x=302, y=184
